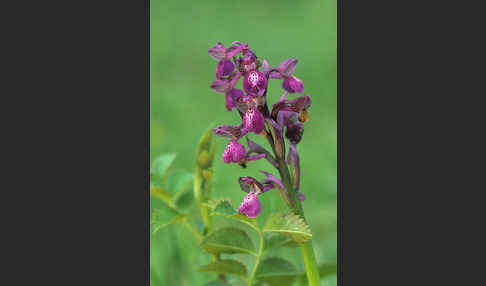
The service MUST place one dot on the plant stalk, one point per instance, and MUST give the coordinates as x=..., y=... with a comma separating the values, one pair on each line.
x=306, y=248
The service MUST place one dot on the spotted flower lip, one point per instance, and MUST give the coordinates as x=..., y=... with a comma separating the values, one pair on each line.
x=234, y=152
x=250, y=206
x=253, y=120
x=255, y=83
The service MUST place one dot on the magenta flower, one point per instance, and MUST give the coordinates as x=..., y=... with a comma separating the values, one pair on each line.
x=225, y=86
x=293, y=84
x=253, y=120
x=248, y=62
x=284, y=123
x=255, y=83
x=220, y=52
x=286, y=70
x=224, y=68
x=234, y=152
x=250, y=205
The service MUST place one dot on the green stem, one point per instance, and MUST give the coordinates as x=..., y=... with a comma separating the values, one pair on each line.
x=307, y=250
x=310, y=263
x=257, y=262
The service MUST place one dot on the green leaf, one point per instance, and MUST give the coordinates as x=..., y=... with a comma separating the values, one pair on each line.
x=225, y=208
x=163, y=217
x=276, y=272
x=181, y=183
x=161, y=194
x=184, y=200
x=290, y=225
x=275, y=240
x=226, y=266
x=216, y=283
x=160, y=167
x=228, y=240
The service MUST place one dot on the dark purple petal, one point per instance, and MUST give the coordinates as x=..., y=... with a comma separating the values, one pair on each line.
x=232, y=98
x=285, y=117
x=218, y=52
x=253, y=120
x=234, y=152
x=293, y=84
x=250, y=206
x=287, y=67
x=254, y=157
x=271, y=179
x=220, y=86
x=301, y=103
x=294, y=132
x=225, y=68
x=268, y=187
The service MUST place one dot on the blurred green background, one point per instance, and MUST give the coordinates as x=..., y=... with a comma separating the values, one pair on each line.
x=182, y=106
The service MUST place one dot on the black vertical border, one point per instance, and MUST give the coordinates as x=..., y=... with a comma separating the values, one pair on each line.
x=339, y=146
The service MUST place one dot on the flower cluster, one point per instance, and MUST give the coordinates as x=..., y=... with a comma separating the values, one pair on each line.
x=286, y=118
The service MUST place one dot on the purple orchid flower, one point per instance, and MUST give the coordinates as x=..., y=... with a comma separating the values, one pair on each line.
x=285, y=121
x=223, y=54
x=294, y=128
x=224, y=68
x=248, y=62
x=286, y=70
x=235, y=152
x=250, y=205
x=226, y=87
x=253, y=120
x=220, y=52
x=255, y=83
